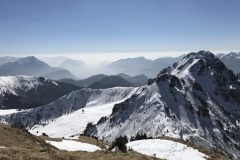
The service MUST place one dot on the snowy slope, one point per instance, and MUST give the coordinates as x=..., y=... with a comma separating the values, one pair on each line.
x=71, y=145
x=166, y=149
x=28, y=91
x=65, y=117
x=195, y=99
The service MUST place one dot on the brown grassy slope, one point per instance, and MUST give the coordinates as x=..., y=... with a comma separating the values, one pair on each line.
x=21, y=145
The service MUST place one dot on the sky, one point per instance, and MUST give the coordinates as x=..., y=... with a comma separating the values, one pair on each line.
x=96, y=30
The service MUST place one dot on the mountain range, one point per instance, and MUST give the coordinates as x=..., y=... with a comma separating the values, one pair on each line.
x=78, y=68
x=84, y=82
x=195, y=99
x=53, y=61
x=7, y=59
x=59, y=74
x=130, y=66
x=21, y=92
x=29, y=66
x=138, y=80
x=138, y=66
x=231, y=60
x=110, y=82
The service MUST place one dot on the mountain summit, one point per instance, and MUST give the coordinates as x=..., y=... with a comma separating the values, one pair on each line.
x=25, y=66
x=197, y=99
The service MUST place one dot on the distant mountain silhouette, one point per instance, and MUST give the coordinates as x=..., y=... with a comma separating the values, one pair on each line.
x=102, y=65
x=231, y=60
x=84, y=82
x=78, y=68
x=138, y=80
x=29, y=66
x=7, y=59
x=53, y=61
x=124, y=76
x=111, y=81
x=60, y=74
x=139, y=65
x=21, y=92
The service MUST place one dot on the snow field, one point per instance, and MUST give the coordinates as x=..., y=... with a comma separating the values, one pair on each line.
x=75, y=123
x=166, y=149
x=8, y=111
x=70, y=145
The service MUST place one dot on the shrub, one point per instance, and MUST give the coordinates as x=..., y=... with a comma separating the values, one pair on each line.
x=44, y=134
x=121, y=143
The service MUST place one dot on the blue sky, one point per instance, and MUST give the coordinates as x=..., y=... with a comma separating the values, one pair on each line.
x=118, y=26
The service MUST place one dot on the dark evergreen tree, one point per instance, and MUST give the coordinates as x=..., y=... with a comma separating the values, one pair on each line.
x=121, y=143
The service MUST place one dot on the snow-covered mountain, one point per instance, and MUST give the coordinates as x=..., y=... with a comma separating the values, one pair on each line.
x=18, y=92
x=196, y=99
x=231, y=60
x=70, y=114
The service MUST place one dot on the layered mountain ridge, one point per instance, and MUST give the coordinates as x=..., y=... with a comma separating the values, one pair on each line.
x=21, y=92
x=196, y=99
x=69, y=114
x=29, y=66
x=231, y=60
x=110, y=82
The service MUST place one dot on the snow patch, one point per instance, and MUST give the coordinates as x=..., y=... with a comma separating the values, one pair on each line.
x=70, y=145
x=166, y=149
x=8, y=111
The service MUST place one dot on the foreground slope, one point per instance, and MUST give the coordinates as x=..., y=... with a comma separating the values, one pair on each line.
x=70, y=114
x=196, y=99
x=18, y=143
x=21, y=92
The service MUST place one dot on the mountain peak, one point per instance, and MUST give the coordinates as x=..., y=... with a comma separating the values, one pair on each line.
x=27, y=60
x=198, y=62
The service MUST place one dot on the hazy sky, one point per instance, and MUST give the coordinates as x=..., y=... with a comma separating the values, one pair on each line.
x=112, y=27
